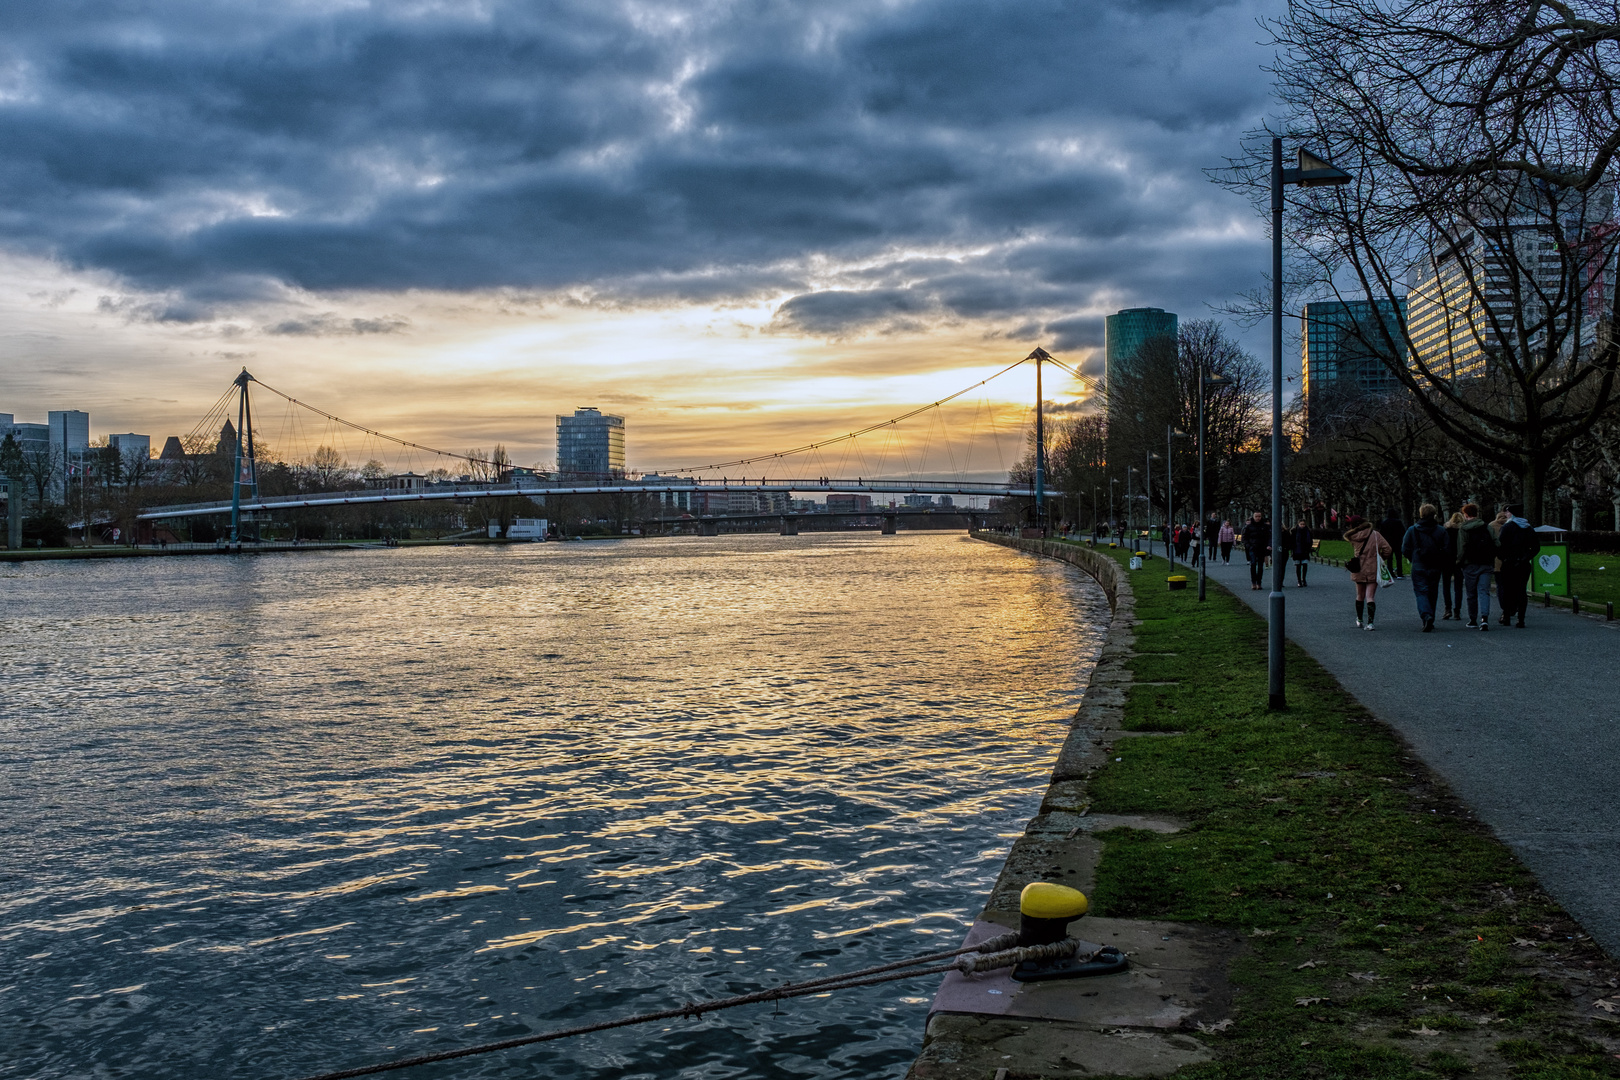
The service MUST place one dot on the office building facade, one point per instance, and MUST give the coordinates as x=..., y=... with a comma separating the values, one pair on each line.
x=590, y=444
x=1468, y=290
x=1343, y=343
x=130, y=446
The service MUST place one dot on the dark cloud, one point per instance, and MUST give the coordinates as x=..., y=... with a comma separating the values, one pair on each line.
x=974, y=159
x=328, y=324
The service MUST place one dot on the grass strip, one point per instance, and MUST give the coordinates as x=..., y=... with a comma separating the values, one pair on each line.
x=1391, y=934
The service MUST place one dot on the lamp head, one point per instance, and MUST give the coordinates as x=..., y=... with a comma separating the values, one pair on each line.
x=1314, y=171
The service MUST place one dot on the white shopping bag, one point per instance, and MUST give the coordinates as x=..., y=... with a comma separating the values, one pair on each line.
x=1384, y=576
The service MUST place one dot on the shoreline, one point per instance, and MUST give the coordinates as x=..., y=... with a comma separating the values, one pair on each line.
x=1300, y=889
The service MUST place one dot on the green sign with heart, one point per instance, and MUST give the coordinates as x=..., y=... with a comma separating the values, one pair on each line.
x=1549, y=572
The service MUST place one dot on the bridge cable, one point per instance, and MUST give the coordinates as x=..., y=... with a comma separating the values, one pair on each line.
x=1001, y=951
x=370, y=431
x=854, y=434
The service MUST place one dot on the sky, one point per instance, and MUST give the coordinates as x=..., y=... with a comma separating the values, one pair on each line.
x=742, y=225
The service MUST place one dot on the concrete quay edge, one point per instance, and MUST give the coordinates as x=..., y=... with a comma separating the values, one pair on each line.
x=1080, y=1028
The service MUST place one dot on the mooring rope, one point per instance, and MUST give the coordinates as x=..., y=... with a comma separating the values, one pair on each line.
x=999, y=952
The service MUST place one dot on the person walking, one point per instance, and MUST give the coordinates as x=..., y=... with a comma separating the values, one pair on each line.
x=1256, y=545
x=1392, y=529
x=1518, y=545
x=1301, y=541
x=1183, y=536
x=1228, y=537
x=1451, y=582
x=1367, y=544
x=1476, y=551
x=1427, y=545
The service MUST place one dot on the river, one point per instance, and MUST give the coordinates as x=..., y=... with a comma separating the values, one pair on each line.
x=266, y=816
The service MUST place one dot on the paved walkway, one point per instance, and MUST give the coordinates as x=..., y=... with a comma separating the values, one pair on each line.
x=1524, y=724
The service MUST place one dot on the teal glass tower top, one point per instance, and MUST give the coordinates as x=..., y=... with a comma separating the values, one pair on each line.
x=1127, y=331
x=1342, y=345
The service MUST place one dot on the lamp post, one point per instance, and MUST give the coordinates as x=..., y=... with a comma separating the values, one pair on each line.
x=1170, y=433
x=1310, y=171
x=1147, y=509
x=1112, y=480
x=1205, y=383
x=1130, y=503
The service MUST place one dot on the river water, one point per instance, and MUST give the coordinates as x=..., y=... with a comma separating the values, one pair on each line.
x=268, y=816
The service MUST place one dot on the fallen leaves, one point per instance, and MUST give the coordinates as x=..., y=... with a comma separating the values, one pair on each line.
x=1424, y=1029
x=1261, y=933
x=1309, y=1001
x=1607, y=1005
x=1365, y=976
x=1524, y=943
x=1309, y=964
x=1216, y=1028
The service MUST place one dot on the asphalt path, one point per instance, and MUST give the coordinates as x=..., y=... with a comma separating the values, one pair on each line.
x=1524, y=724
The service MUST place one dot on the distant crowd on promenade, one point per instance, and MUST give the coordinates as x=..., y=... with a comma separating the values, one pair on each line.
x=1452, y=565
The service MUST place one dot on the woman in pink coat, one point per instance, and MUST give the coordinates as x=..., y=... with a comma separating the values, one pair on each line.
x=1366, y=545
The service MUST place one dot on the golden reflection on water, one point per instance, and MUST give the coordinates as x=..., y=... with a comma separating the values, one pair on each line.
x=297, y=805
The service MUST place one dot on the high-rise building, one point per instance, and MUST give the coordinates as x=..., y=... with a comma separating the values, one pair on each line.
x=590, y=443
x=1468, y=285
x=33, y=438
x=1342, y=342
x=70, y=430
x=1125, y=332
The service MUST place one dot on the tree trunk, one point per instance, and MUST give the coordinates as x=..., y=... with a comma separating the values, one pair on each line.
x=1577, y=519
x=1531, y=493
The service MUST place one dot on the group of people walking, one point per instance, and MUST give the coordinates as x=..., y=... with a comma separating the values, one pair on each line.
x=1458, y=559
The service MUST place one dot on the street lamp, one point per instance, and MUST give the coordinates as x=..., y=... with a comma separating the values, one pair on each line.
x=1112, y=480
x=1205, y=383
x=1147, y=510
x=1311, y=171
x=1170, y=433
x=1130, y=502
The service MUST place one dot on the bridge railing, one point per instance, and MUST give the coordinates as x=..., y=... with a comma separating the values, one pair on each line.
x=525, y=487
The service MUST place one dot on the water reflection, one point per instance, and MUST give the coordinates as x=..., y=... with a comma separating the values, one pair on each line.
x=268, y=816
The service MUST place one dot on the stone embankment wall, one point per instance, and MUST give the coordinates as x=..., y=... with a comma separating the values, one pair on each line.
x=1060, y=834
x=1134, y=1024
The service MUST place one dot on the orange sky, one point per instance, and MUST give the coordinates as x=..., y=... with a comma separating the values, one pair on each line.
x=697, y=384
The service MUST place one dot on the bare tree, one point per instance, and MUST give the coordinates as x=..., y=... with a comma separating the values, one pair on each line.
x=1159, y=389
x=328, y=468
x=1481, y=136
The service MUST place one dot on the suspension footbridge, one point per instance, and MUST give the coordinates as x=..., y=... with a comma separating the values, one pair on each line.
x=499, y=480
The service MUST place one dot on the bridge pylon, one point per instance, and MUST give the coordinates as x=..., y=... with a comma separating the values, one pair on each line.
x=245, y=474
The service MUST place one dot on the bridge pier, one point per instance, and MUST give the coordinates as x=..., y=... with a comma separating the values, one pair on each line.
x=790, y=526
x=891, y=524
x=709, y=527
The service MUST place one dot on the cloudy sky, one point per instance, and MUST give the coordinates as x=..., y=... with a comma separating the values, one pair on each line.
x=739, y=223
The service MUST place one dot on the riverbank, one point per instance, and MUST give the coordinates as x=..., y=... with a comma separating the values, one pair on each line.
x=1386, y=932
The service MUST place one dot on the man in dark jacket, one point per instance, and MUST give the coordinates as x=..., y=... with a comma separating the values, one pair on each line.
x=1392, y=529
x=1476, y=550
x=1301, y=541
x=1428, y=546
x=1256, y=540
x=1518, y=545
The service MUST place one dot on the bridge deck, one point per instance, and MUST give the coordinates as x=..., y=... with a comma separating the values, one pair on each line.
x=533, y=489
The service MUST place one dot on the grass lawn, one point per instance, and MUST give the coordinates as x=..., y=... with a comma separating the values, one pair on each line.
x=1391, y=935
